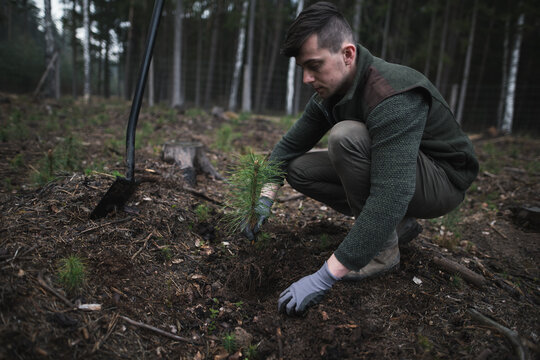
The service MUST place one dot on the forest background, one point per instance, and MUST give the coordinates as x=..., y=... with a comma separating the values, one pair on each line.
x=481, y=54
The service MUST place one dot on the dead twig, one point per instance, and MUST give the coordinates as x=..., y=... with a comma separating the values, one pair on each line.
x=511, y=335
x=498, y=232
x=280, y=342
x=466, y=273
x=142, y=247
x=103, y=225
x=202, y=195
x=110, y=329
x=55, y=292
x=159, y=331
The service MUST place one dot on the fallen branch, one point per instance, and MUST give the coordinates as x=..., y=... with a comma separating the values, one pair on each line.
x=464, y=272
x=159, y=331
x=511, y=335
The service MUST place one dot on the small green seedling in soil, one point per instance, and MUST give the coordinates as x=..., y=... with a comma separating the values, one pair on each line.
x=249, y=174
x=166, y=253
x=425, y=343
x=203, y=212
x=71, y=273
x=229, y=342
x=251, y=352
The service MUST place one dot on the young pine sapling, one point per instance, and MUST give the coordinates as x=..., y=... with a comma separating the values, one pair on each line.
x=247, y=178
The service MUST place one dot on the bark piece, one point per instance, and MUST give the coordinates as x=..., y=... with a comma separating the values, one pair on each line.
x=464, y=272
x=190, y=157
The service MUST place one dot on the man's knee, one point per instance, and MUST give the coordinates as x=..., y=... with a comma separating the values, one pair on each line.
x=349, y=136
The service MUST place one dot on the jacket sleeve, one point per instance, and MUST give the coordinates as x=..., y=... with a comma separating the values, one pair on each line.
x=301, y=137
x=395, y=127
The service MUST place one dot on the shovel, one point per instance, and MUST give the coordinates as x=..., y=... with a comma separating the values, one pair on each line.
x=123, y=188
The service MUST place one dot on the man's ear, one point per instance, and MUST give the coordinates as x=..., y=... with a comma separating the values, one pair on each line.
x=349, y=53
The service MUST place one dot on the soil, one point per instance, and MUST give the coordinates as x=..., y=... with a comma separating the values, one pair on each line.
x=162, y=262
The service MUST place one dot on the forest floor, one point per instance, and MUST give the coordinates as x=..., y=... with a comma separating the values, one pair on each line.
x=165, y=261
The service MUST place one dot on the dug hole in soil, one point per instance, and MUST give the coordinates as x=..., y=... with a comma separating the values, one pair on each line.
x=165, y=261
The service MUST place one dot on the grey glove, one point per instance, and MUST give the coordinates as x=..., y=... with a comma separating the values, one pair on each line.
x=263, y=213
x=306, y=292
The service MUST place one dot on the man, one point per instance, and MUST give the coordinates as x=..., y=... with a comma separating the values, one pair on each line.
x=395, y=152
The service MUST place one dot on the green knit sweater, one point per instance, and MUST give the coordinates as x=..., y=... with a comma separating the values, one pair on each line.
x=403, y=113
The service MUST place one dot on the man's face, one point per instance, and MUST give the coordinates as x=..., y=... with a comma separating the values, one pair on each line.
x=327, y=73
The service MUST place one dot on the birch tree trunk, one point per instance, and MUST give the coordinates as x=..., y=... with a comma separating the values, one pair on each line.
x=512, y=78
x=386, y=29
x=248, y=71
x=86, y=51
x=357, y=19
x=465, y=81
x=49, y=52
x=290, y=72
x=442, y=48
x=504, y=79
x=177, y=100
x=239, y=57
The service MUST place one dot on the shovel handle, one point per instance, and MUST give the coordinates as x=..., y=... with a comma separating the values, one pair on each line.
x=137, y=99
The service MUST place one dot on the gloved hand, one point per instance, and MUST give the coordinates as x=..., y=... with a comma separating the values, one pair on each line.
x=263, y=213
x=306, y=292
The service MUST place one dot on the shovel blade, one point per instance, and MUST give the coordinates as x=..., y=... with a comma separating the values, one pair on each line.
x=115, y=197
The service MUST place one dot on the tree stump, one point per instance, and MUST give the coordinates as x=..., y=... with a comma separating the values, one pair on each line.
x=190, y=157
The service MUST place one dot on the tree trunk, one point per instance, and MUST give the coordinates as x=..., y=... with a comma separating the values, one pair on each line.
x=198, y=65
x=151, y=84
x=106, y=69
x=239, y=58
x=212, y=56
x=177, y=96
x=431, y=37
x=485, y=54
x=386, y=29
x=49, y=51
x=74, y=49
x=504, y=80
x=86, y=50
x=127, y=68
x=357, y=18
x=290, y=72
x=442, y=47
x=465, y=81
x=248, y=71
x=512, y=78
x=274, y=54
x=264, y=49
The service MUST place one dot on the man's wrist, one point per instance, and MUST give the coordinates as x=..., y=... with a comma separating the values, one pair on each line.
x=270, y=190
x=336, y=268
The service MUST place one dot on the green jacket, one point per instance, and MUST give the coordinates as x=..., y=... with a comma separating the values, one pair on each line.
x=397, y=134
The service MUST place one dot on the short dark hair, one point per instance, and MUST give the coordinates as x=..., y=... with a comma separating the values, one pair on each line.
x=325, y=20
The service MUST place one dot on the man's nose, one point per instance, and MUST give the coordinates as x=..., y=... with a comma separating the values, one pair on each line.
x=307, y=77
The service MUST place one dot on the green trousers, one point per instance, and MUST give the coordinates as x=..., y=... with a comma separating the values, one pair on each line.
x=340, y=176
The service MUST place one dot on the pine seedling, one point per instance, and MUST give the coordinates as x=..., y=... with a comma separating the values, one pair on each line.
x=229, y=342
x=247, y=178
x=71, y=273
